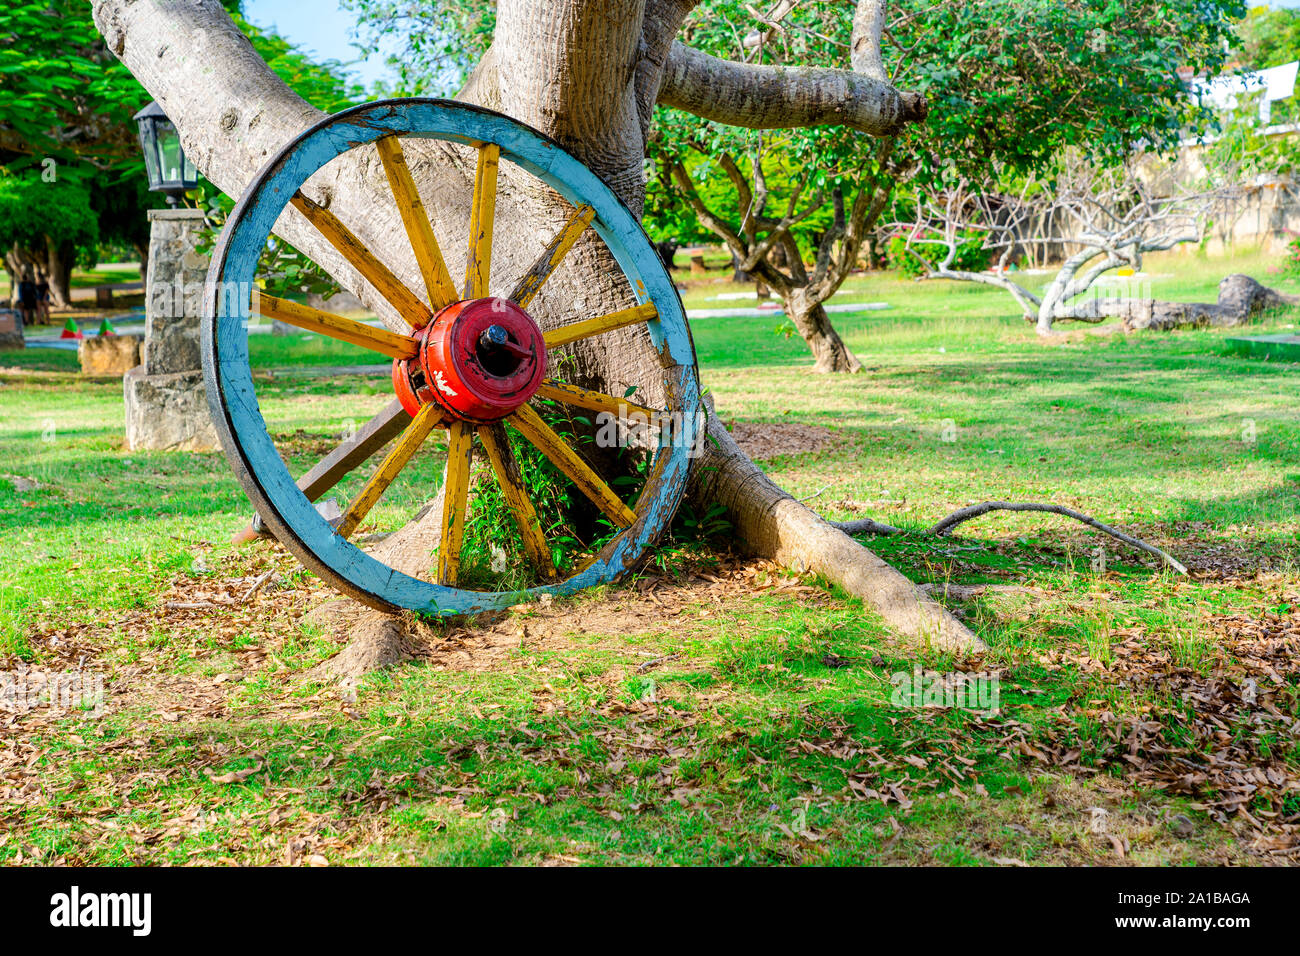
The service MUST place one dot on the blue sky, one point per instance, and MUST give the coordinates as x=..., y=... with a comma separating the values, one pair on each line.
x=326, y=32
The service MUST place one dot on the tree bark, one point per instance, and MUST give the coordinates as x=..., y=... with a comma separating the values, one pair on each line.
x=814, y=325
x=1241, y=299
x=774, y=97
x=577, y=70
x=59, y=260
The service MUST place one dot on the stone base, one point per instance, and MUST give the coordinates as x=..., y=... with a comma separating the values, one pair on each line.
x=11, y=330
x=167, y=412
x=109, y=354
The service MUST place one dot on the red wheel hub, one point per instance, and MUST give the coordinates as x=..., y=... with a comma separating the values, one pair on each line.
x=479, y=360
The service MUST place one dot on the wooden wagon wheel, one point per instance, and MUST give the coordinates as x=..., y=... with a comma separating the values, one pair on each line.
x=470, y=363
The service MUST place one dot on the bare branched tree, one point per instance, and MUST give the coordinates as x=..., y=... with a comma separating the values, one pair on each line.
x=1104, y=219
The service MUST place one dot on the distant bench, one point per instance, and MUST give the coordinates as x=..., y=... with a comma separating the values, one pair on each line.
x=104, y=293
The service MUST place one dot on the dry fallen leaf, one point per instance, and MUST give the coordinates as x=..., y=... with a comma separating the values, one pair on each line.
x=236, y=776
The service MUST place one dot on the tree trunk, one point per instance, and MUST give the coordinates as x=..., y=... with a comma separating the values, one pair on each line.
x=59, y=259
x=587, y=74
x=738, y=275
x=11, y=270
x=667, y=250
x=814, y=325
x=1241, y=299
x=16, y=262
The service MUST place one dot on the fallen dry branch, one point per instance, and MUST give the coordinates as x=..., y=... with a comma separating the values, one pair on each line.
x=944, y=527
x=1241, y=299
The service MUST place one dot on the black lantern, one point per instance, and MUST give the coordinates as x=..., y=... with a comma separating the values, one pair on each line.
x=170, y=171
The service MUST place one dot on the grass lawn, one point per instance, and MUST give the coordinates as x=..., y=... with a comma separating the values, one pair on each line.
x=711, y=710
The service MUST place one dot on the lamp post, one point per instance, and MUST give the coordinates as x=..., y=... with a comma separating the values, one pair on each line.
x=170, y=170
x=166, y=404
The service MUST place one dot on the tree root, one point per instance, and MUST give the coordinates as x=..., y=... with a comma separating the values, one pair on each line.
x=375, y=640
x=772, y=524
x=378, y=639
x=944, y=527
x=768, y=519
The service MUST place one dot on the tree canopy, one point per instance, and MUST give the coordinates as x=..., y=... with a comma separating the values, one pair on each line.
x=65, y=98
x=1269, y=37
x=438, y=43
x=31, y=209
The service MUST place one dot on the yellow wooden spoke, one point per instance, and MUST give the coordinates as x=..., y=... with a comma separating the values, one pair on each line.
x=601, y=323
x=437, y=280
x=455, y=496
x=406, y=447
x=527, y=287
x=337, y=327
x=406, y=302
x=512, y=486
x=478, y=267
x=593, y=401
x=551, y=445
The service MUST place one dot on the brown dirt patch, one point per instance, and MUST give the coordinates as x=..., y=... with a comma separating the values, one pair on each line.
x=760, y=441
x=650, y=605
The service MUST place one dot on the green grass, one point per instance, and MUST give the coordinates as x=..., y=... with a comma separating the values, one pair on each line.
x=747, y=721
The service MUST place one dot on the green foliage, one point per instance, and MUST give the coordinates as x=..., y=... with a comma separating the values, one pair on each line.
x=282, y=270
x=921, y=259
x=1269, y=37
x=1018, y=80
x=1009, y=82
x=121, y=198
x=65, y=97
x=1292, y=259
x=32, y=210
x=667, y=216
x=62, y=93
x=438, y=43
x=493, y=555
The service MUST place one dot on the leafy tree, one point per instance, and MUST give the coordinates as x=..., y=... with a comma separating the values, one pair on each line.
x=1269, y=37
x=65, y=117
x=49, y=226
x=1008, y=83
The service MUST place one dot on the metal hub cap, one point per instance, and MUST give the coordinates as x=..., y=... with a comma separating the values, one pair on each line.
x=479, y=360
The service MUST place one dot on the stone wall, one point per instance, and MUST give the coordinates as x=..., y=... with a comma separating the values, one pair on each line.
x=108, y=354
x=167, y=412
x=1265, y=217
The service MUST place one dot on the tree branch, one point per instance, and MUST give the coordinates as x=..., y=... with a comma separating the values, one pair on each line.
x=868, y=29
x=944, y=527
x=773, y=97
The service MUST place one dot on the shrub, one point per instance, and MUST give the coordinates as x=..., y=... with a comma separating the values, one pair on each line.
x=971, y=255
x=1291, y=261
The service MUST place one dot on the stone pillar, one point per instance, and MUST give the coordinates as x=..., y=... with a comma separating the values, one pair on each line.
x=166, y=402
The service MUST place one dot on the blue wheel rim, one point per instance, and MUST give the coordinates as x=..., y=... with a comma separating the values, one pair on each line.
x=229, y=380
